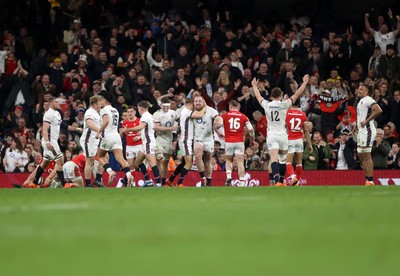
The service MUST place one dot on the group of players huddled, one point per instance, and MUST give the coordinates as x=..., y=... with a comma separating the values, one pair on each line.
x=149, y=139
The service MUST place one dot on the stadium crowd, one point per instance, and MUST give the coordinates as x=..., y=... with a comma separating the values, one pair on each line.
x=73, y=50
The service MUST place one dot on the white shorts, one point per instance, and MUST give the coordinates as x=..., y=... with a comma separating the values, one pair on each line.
x=277, y=142
x=295, y=145
x=166, y=147
x=208, y=146
x=89, y=147
x=71, y=171
x=234, y=148
x=366, y=137
x=186, y=147
x=111, y=143
x=148, y=148
x=54, y=154
x=132, y=151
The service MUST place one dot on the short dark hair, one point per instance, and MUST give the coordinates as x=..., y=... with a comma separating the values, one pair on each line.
x=144, y=104
x=106, y=95
x=276, y=92
x=234, y=103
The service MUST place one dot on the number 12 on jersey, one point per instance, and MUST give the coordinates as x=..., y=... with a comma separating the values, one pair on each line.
x=275, y=116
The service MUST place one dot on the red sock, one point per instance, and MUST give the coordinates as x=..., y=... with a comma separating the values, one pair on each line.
x=289, y=169
x=299, y=170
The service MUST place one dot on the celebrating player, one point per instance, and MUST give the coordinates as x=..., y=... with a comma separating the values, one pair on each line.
x=295, y=122
x=234, y=123
x=277, y=139
x=52, y=122
x=133, y=139
x=367, y=111
x=88, y=139
x=164, y=125
x=185, y=144
x=203, y=119
x=111, y=140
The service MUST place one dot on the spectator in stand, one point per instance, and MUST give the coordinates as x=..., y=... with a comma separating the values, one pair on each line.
x=380, y=151
x=395, y=109
x=383, y=37
x=319, y=158
x=344, y=152
x=20, y=93
x=15, y=157
x=56, y=74
x=384, y=103
x=41, y=85
x=394, y=157
x=75, y=36
x=389, y=65
x=389, y=134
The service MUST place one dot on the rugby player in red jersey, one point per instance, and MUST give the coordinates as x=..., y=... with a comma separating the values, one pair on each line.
x=234, y=123
x=133, y=139
x=296, y=126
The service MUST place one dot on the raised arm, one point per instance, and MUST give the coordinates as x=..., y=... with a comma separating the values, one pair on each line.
x=303, y=86
x=367, y=25
x=257, y=93
x=396, y=32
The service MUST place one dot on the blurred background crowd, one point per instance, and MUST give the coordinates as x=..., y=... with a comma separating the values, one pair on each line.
x=147, y=50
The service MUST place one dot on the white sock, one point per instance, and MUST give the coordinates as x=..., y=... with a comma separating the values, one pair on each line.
x=229, y=175
x=109, y=170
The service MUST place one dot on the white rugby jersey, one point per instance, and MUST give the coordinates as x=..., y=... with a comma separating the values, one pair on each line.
x=90, y=114
x=186, y=125
x=166, y=119
x=383, y=40
x=275, y=112
x=147, y=133
x=364, y=109
x=113, y=117
x=53, y=117
x=203, y=127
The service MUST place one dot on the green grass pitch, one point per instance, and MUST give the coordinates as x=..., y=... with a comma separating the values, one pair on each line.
x=194, y=231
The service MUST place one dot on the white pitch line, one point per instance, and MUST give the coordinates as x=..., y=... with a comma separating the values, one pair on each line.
x=45, y=207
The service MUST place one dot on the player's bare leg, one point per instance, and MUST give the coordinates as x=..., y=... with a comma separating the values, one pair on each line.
x=229, y=168
x=101, y=154
x=241, y=170
x=131, y=163
x=124, y=164
x=88, y=170
x=368, y=166
x=207, y=167
x=198, y=152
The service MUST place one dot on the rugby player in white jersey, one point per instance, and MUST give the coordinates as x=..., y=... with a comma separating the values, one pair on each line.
x=148, y=148
x=277, y=139
x=203, y=119
x=52, y=122
x=185, y=144
x=111, y=139
x=88, y=140
x=367, y=111
x=165, y=122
